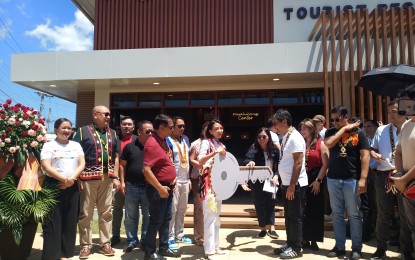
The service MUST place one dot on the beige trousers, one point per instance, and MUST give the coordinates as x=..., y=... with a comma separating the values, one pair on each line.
x=99, y=193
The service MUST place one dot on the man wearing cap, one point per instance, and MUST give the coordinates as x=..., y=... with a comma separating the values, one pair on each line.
x=320, y=121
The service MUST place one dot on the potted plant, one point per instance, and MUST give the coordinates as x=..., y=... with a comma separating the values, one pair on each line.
x=23, y=203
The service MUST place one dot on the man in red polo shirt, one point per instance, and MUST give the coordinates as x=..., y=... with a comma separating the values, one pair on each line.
x=159, y=170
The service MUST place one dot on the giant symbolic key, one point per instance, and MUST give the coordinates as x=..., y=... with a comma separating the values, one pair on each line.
x=226, y=175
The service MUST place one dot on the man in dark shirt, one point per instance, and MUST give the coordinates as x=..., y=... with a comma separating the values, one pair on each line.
x=159, y=170
x=126, y=137
x=346, y=179
x=133, y=185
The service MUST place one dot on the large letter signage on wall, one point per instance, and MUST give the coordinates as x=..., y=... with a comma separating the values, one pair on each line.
x=294, y=20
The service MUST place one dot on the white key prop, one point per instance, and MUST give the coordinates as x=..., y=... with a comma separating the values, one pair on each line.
x=226, y=175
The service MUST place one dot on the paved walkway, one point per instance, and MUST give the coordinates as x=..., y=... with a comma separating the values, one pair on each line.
x=238, y=245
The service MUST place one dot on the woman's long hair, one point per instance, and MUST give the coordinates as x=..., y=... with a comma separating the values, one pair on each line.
x=269, y=144
x=309, y=123
x=210, y=127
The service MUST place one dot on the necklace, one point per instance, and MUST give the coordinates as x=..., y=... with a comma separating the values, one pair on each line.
x=183, y=156
x=392, y=141
x=284, y=144
x=344, y=144
x=164, y=145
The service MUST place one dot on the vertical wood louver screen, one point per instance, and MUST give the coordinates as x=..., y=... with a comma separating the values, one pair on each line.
x=136, y=24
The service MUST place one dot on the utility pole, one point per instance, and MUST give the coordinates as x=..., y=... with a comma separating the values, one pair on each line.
x=48, y=120
x=42, y=98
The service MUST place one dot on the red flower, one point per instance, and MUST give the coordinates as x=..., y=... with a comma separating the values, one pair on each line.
x=17, y=123
x=5, y=106
x=24, y=133
x=35, y=127
x=25, y=116
x=8, y=101
x=3, y=136
x=9, y=129
x=41, y=120
x=2, y=111
x=34, y=112
x=18, y=105
x=3, y=116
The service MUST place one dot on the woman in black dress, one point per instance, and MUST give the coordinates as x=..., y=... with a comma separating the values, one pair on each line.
x=263, y=153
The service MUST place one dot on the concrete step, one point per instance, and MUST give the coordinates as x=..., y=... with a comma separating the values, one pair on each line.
x=243, y=216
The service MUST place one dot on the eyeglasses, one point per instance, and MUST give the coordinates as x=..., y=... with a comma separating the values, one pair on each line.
x=259, y=137
x=181, y=126
x=335, y=119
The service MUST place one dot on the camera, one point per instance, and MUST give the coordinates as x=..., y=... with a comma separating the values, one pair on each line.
x=406, y=107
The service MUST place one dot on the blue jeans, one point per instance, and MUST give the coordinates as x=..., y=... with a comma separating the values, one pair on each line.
x=160, y=216
x=135, y=196
x=343, y=196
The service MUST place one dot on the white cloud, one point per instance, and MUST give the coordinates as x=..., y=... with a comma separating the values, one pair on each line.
x=75, y=36
x=22, y=9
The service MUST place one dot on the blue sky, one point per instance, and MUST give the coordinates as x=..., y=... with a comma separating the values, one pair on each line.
x=28, y=26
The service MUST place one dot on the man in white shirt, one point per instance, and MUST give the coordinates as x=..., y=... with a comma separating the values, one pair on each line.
x=383, y=152
x=179, y=145
x=291, y=169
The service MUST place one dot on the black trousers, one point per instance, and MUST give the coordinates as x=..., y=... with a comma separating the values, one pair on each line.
x=313, y=225
x=264, y=204
x=59, y=232
x=294, y=212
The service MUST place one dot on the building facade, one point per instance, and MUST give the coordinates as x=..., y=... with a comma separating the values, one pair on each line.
x=236, y=60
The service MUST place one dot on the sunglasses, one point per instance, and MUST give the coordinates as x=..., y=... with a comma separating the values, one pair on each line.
x=259, y=137
x=335, y=119
x=147, y=131
x=181, y=126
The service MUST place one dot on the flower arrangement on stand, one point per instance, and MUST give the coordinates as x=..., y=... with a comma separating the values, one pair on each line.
x=23, y=200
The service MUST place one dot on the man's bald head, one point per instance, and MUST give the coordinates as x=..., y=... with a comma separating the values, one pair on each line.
x=101, y=116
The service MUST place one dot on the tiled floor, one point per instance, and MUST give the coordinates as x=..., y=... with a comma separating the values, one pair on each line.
x=238, y=245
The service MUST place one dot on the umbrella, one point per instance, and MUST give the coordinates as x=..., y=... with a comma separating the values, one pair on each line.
x=388, y=81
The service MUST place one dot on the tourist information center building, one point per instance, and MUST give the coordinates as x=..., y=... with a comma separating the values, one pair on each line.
x=236, y=60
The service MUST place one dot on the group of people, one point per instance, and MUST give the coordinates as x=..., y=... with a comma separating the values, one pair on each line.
x=155, y=167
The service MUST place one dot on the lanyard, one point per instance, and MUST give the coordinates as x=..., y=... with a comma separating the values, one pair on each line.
x=183, y=156
x=392, y=141
x=284, y=144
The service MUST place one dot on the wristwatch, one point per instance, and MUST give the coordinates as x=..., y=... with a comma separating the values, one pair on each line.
x=319, y=180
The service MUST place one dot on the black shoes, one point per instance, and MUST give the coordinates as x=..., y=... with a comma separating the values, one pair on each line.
x=170, y=253
x=379, y=254
x=129, y=247
x=261, y=234
x=154, y=256
x=115, y=240
x=272, y=234
x=336, y=252
x=314, y=246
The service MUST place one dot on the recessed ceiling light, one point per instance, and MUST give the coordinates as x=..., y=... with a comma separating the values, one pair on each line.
x=276, y=79
x=156, y=83
x=53, y=86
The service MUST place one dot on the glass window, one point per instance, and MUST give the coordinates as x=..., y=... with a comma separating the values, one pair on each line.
x=176, y=99
x=312, y=96
x=150, y=100
x=229, y=98
x=285, y=98
x=257, y=98
x=124, y=100
x=202, y=99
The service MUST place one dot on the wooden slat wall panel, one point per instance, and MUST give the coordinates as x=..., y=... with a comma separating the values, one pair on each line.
x=132, y=24
x=390, y=32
